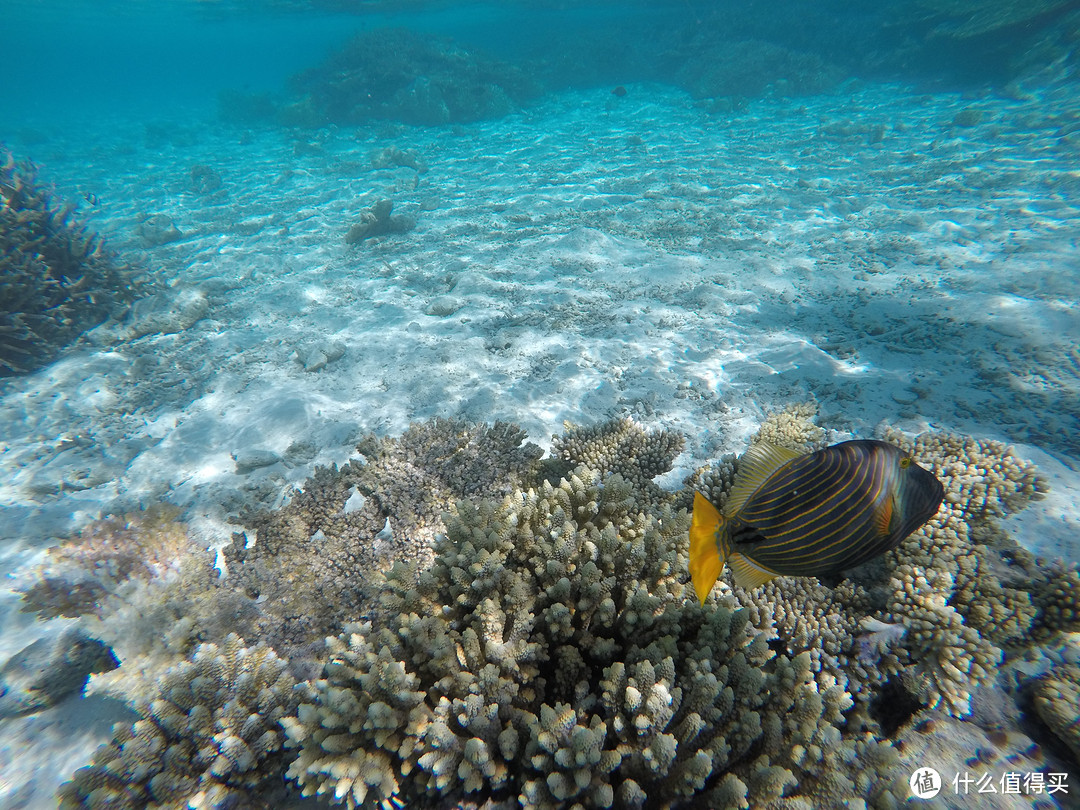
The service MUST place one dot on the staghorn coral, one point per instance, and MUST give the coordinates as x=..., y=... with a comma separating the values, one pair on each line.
x=793, y=427
x=806, y=616
x=957, y=585
x=141, y=585
x=624, y=447
x=312, y=563
x=155, y=625
x=984, y=478
x=546, y=651
x=951, y=657
x=208, y=738
x=56, y=278
x=550, y=653
x=1055, y=594
x=945, y=604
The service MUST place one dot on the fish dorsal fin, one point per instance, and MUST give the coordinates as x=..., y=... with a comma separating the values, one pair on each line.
x=755, y=466
x=705, y=560
x=749, y=574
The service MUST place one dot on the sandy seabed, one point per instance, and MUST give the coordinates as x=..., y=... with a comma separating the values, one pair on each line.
x=591, y=256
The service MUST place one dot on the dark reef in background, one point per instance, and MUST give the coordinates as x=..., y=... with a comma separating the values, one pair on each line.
x=730, y=52
x=56, y=278
x=397, y=74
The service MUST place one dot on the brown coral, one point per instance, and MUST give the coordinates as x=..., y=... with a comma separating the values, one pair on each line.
x=624, y=447
x=312, y=564
x=56, y=278
x=81, y=573
x=1056, y=700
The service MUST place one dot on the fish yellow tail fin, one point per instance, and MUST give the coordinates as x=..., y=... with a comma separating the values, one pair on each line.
x=705, y=560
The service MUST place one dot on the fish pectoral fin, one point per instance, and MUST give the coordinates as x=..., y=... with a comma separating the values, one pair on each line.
x=749, y=574
x=705, y=560
x=884, y=517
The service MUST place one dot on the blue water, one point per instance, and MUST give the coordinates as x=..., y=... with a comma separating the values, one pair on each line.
x=691, y=213
x=81, y=59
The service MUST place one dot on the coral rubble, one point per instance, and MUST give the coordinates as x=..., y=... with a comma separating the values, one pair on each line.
x=377, y=220
x=56, y=277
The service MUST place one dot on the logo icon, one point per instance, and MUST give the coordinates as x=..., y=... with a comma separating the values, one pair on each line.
x=925, y=783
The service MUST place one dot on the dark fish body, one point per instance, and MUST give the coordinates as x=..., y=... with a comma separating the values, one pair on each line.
x=813, y=514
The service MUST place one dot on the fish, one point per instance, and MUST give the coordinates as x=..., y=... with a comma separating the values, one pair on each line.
x=810, y=514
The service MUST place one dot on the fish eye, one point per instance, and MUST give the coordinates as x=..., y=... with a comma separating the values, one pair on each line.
x=905, y=462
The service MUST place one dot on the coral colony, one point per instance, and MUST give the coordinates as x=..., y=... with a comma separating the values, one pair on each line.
x=56, y=278
x=536, y=641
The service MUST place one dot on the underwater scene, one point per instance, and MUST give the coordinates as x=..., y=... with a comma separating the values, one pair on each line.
x=540, y=404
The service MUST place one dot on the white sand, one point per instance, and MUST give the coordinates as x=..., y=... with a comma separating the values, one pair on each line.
x=600, y=256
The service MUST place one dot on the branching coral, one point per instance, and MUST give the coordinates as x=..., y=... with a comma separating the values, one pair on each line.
x=56, y=278
x=951, y=597
x=792, y=426
x=312, y=563
x=81, y=573
x=984, y=478
x=141, y=585
x=535, y=640
x=951, y=658
x=624, y=447
x=209, y=738
x=956, y=586
x=551, y=653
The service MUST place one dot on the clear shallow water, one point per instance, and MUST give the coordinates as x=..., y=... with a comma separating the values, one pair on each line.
x=899, y=243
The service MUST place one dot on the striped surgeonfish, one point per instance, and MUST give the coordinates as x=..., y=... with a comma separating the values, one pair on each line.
x=810, y=514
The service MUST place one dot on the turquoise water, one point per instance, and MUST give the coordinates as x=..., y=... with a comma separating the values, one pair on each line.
x=336, y=220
